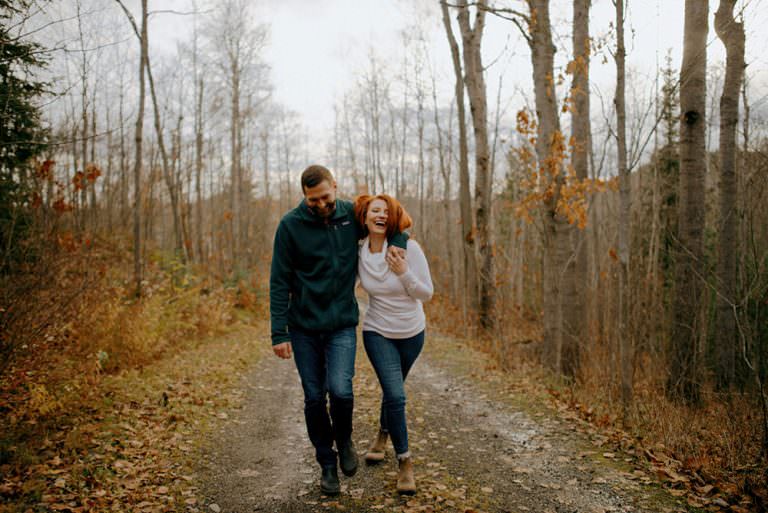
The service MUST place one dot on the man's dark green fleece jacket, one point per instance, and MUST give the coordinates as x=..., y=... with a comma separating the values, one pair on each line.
x=314, y=265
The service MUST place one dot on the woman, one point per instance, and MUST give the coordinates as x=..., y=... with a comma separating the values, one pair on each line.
x=393, y=328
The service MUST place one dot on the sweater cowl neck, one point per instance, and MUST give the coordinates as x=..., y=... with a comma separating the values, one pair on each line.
x=374, y=263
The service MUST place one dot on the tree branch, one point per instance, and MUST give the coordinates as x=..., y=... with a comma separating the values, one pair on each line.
x=130, y=18
x=179, y=13
x=496, y=11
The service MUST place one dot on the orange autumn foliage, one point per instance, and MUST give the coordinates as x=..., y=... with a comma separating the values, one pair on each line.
x=553, y=182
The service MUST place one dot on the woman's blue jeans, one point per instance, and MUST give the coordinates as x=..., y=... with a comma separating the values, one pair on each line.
x=326, y=365
x=392, y=358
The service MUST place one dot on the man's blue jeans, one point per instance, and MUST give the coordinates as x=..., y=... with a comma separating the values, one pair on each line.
x=392, y=359
x=326, y=365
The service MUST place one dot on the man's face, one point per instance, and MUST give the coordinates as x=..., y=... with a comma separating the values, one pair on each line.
x=321, y=198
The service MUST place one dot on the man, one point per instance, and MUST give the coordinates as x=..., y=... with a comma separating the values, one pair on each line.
x=314, y=314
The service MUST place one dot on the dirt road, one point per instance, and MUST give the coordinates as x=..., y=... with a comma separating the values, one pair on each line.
x=475, y=450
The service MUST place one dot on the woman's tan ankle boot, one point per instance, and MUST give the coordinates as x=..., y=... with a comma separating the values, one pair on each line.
x=406, y=483
x=376, y=451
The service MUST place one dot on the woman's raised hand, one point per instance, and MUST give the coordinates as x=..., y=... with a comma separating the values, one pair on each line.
x=397, y=262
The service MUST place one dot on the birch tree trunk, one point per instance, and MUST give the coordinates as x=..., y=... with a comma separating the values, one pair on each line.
x=731, y=34
x=684, y=378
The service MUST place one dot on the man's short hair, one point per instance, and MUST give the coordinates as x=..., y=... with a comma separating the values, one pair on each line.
x=313, y=175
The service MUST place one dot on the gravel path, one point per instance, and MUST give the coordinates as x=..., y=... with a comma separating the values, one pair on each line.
x=473, y=453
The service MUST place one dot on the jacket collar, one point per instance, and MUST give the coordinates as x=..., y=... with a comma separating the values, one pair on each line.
x=308, y=215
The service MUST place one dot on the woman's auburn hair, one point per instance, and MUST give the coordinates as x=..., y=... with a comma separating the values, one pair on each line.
x=398, y=219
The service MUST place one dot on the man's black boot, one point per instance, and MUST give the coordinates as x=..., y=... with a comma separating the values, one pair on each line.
x=347, y=458
x=329, y=481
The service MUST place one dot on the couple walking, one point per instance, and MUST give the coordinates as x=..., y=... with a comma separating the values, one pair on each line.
x=316, y=260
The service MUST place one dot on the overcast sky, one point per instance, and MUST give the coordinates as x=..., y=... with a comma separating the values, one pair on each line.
x=319, y=47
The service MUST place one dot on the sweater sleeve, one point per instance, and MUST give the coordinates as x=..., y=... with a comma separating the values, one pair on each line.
x=417, y=280
x=281, y=275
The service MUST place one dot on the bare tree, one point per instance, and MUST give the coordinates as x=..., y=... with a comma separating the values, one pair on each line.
x=123, y=150
x=550, y=148
x=731, y=34
x=465, y=199
x=238, y=46
x=82, y=183
x=168, y=173
x=684, y=380
x=472, y=36
x=400, y=176
x=199, y=127
x=574, y=311
x=445, y=173
x=138, y=138
x=624, y=335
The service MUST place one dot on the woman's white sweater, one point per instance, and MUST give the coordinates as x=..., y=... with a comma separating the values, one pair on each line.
x=395, y=302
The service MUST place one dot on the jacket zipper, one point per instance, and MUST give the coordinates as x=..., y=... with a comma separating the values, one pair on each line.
x=331, y=229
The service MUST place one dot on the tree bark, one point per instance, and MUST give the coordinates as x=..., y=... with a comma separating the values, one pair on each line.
x=168, y=175
x=123, y=159
x=684, y=380
x=351, y=146
x=465, y=200
x=576, y=282
x=445, y=173
x=199, y=170
x=108, y=188
x=92, y=185
x=234, y=175
x=472, y=36
x=138, y=138
x=84, y=211
x=167, y=172
x=731, y=34
x=422, y=167
x=624, y=334
x=400, y=177
x=550, y=148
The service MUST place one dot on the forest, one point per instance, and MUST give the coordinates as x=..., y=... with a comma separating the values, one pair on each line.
x=592, y=223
